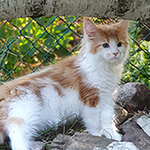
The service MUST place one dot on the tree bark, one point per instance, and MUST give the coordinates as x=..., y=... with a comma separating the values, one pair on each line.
x=125, y=9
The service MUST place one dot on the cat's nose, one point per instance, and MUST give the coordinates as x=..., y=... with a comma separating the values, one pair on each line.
x=115, y=54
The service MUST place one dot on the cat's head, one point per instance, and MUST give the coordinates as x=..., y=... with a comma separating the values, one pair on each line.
x=108, y=42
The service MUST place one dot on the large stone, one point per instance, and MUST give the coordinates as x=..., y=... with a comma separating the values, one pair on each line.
x=79, y=141
x=118, y=146
x=37, y=145
x=134, y=96
x=85, y=141
x=120, y=115
x=127, y=9
x=121, y=146
x=133, y=133
x=60, y=142
x=144, y=123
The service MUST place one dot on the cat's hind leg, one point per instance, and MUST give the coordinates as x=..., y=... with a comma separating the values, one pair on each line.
x=23, y=120
x=16, y=130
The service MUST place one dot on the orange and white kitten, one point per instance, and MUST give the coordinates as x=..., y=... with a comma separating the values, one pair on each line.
x=82, y=85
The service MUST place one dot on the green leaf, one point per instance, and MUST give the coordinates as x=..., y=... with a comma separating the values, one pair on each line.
x=68, y=33
x=2, y=33
x=19, y=41
x=12, y=59
x=49, y=42
x=39, y=32
x=40, y=56
x=28, y=28
x=69, y=18
x=29, y=60
x=49, y=22
x=50, y=56
x=1, y=50
x=61, y=52
x=40, y=21
x=25, y=47
x=60, y=28
x=31, y=53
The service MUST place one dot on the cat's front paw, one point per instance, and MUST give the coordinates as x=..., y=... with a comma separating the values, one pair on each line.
x=111, y=134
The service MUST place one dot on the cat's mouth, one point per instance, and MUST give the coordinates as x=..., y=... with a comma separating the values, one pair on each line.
x=113, y=59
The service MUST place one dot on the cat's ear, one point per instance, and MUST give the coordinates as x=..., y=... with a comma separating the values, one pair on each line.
x=90, y=29
x=123, y=25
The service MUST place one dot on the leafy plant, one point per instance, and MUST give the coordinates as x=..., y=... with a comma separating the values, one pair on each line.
x=29, y=43
x=137, y=67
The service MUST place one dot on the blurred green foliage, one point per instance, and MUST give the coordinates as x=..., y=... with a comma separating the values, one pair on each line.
x=137, y=68
x=26, y=44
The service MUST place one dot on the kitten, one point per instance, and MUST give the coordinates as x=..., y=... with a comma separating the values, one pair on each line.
x=83, y=85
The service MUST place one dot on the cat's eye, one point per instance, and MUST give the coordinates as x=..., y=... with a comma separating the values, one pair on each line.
x=119, y=44
x=105, y=45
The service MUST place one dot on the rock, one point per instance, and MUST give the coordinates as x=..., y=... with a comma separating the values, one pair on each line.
x=80, y=141
x=144, y=123
x=133, y=133
x=98, y=148
x=120, y=115
x=122, y=146
x=86, y=141
x=37, y=145
x=60, y=142
x=134, y=95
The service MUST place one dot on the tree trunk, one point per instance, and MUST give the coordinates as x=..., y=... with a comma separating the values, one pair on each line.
x=125, y=9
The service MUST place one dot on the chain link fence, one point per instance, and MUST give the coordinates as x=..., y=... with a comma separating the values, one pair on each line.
x=28, y=44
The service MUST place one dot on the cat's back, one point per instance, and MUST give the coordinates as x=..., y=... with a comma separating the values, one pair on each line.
x=12, y=88
x=60, y=74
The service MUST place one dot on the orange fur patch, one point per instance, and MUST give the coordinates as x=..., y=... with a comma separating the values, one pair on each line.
x=58, y=90
x=3, y=113
x=94, y=48
x=113, y=31
x=66, y=74
x=89, y=95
